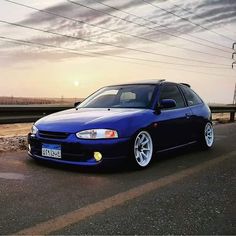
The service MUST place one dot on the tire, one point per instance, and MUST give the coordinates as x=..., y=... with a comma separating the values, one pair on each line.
x=207, y=136
x=142, y=150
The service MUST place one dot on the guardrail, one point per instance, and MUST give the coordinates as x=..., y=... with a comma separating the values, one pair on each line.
x=23, y=113
x=231, y=109
x=27, y=113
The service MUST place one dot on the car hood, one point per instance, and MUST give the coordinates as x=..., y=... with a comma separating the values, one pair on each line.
x=73, y=120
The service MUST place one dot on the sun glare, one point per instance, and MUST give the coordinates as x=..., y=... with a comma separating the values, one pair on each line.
x=76, y=83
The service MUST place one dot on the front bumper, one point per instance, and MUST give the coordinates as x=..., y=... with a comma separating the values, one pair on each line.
x=80, y=152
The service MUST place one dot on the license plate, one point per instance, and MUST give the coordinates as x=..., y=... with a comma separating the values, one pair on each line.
x=51, y=150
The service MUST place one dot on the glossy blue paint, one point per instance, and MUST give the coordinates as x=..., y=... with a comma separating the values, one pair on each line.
x=127, y=121
x=168, y=128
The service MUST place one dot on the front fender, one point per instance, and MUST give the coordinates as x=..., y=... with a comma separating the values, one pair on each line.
x=130, y=126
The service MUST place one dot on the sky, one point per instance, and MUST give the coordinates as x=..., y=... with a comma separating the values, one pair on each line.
x=71, y=48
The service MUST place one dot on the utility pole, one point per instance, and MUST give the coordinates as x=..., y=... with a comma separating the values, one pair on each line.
x=234, y=100
x=62, y=99
x=234, y=63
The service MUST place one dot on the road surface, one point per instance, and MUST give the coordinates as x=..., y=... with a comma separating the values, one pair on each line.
x=184, y=192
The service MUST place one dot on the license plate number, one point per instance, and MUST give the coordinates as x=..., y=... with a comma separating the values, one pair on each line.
x=51, y=150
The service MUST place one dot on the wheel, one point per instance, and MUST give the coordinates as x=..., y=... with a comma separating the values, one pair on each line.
x=207, y=137
x=142, y=149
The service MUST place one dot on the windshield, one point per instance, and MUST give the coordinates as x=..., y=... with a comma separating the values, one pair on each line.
x=125, y=96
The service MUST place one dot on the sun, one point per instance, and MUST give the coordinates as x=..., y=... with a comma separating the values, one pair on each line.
x=76, y=83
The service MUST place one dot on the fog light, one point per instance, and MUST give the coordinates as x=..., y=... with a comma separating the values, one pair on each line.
x=29, y=147
x=97, y=156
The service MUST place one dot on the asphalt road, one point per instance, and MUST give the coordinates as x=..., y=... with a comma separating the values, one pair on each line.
x=184, y=192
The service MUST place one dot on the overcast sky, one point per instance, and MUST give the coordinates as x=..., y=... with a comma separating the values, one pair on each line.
x=71, y=48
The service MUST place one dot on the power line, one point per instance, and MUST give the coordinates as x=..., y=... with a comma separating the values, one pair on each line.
x=150, y=28
x=204, y=73
x=112, y=30
x=30, y=43
x=153, y=22
x=25, y=42
x=109, y=44
x=72, y=50
x=193, y=13
x=186, y=19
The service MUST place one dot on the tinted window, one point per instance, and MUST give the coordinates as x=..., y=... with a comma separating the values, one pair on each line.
x=127, y=96
x=191, y=97
x=172, y=92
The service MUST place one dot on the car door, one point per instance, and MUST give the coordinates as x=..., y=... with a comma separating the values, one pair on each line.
x=173, y=123
x=198, y=110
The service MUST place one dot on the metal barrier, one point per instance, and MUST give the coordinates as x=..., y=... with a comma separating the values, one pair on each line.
x=225, y=109
x=23, y=113
x=27, y=113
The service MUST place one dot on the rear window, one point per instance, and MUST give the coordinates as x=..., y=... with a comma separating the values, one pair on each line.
x=191, y=97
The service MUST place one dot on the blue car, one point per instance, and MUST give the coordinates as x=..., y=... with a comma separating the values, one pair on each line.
x=129, y=122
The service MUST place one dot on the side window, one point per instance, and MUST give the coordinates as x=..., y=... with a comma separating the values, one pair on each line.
x=172, y=92
x=191, y=97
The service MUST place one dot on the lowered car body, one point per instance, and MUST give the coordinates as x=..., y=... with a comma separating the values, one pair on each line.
x=130, y=122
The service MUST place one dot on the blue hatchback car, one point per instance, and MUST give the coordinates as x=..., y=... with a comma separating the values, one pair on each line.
x=127, y=121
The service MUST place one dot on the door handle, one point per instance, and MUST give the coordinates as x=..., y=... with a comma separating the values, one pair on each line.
x=187, y=115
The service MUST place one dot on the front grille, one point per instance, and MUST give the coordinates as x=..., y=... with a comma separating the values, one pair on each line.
x=53, y=135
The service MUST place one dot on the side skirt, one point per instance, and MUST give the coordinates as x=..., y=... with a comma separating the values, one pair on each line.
x=176, y=147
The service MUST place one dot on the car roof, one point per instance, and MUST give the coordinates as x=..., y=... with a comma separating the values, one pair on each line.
x=154, y=82
x=150, y=82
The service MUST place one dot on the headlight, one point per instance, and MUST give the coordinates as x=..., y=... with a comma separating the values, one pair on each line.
x=97, y=134
x=34, y=130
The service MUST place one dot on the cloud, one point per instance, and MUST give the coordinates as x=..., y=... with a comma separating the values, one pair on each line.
x=210, y=13
x=215, y=11
x=71, y=10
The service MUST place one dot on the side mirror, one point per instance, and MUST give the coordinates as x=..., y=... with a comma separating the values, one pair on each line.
x=76, y=104
x=167, y=103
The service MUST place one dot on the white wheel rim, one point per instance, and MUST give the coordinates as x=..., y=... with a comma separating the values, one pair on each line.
x=209, y=134
x=143, y=148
